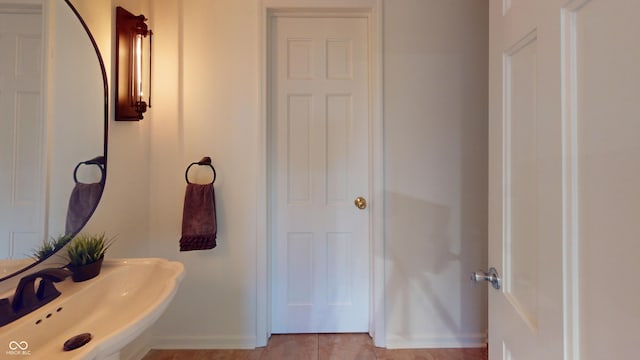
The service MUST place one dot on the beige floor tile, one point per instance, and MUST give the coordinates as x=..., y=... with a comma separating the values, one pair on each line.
x=171, y=355
x=320, y=347
x=229, y=355
x=402, y=354
x=204, y=355
x=431, y=354
x=460, y=354
x=345, y=347
x=291, y=347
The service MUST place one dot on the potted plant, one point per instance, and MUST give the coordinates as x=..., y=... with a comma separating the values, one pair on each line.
x=86, y=253
x=50, y=247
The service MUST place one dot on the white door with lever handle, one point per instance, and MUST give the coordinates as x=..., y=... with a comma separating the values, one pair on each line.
x=490, y=276
x=525, y=182
x=563, y=179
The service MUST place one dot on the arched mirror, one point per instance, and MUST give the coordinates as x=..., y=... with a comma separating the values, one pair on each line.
x=53, y=128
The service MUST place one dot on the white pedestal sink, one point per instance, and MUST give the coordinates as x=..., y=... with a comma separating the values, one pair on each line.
x=9, y=266
x=126, y=298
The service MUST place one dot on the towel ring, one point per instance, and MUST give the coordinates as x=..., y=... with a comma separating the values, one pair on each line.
x=205, y=161
x=97, y=161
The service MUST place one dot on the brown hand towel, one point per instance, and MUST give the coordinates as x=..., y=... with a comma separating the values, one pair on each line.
x=82, y=202
x=199, y=226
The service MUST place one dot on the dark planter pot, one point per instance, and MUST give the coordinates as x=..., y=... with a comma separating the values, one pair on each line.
x=85, y=272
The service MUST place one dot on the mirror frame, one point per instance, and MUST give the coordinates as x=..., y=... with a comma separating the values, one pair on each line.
x=106, y=135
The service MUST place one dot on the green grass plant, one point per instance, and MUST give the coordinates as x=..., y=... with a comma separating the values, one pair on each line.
x=50, y=246
x=86, y=249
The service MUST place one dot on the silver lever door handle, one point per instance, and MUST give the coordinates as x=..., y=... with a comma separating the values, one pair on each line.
x=490, y=276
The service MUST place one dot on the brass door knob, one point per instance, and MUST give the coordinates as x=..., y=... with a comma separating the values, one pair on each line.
x=361, y=203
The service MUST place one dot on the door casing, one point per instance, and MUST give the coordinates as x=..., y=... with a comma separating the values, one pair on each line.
x=372, y=11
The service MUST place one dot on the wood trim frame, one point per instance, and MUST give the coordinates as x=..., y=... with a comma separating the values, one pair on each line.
x=372, y=9
x=571, y=240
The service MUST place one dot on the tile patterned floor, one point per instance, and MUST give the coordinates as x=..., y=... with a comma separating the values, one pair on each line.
x=320, y=347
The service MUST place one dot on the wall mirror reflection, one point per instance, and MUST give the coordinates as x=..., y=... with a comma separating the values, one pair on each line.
x=52, y=127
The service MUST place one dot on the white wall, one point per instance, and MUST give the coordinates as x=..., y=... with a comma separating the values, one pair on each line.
x=435, y=101
x=124, y=208
x=206, y=104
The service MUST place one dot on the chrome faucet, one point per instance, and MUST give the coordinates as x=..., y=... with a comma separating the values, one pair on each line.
x=27, y=299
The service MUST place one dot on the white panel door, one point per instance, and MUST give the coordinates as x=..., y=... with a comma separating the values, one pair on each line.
x=603, y=93
x=320, y=164
x=525, y=214
x=564, y=170
x=22, y=132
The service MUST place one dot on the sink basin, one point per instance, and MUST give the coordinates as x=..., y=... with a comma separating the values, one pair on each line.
x=126, y=298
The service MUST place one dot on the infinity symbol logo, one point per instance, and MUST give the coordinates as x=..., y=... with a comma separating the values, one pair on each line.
x=22, y=345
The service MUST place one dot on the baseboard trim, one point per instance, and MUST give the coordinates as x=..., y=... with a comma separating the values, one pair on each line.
x=436, y=341
x=203, y=342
